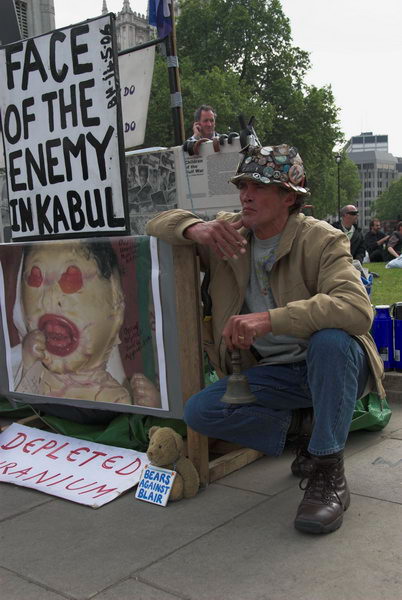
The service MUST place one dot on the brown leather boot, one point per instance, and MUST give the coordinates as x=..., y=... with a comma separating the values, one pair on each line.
x=326, y=496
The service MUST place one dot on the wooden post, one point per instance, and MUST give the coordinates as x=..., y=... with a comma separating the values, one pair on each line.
x=188, y=305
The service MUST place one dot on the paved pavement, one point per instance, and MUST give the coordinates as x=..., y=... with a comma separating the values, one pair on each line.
x=234, y=541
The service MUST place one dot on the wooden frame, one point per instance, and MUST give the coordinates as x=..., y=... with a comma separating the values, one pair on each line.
x=227, y=457
x=188, y=305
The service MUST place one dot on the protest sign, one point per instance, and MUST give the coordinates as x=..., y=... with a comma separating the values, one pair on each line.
x=168, y=178
x=136, y=69
x=204, y=185
x=155, y=485
x=77, y=470
x=90, y=323
x=62, y=133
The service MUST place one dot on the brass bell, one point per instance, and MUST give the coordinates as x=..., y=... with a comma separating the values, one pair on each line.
x=238, y=389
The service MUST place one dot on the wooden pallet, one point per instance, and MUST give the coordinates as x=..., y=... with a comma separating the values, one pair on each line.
x=31, y=421
x=188, y=306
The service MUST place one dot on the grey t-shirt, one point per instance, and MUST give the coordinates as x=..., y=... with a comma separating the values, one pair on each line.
x=274, y=349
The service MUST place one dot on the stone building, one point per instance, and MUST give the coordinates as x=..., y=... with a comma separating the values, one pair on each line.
x=132, y=28
x=35, y=16
x=38, y=16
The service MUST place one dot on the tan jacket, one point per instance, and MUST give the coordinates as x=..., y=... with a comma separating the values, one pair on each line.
x=313, y=281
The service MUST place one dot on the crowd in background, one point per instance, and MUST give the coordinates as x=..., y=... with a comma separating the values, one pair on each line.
x=375, y=246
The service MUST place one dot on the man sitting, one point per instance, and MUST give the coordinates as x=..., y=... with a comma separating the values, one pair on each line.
x=374, y=241
x=284, y=292
x=395, y=241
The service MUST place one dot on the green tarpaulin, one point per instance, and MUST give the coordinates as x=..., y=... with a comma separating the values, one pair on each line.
x=131, y=431
x=126, y=431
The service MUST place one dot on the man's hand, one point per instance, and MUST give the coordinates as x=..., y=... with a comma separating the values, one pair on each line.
x=392, y=252
x=221, y=236
x=241, y=330
x=383, y=240
x=144, y=391
x=197, y=130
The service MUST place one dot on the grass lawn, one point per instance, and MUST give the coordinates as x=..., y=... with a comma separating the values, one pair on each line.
x=387, y=288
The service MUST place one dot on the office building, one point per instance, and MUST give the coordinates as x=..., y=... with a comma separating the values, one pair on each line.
x=377, y=167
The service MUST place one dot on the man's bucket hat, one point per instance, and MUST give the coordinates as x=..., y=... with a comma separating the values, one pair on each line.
x=273, y=164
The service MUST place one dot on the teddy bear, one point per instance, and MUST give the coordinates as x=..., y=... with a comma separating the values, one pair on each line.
x=165, y=450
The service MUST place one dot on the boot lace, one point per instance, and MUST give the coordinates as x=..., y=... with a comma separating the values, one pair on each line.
x=321, y=485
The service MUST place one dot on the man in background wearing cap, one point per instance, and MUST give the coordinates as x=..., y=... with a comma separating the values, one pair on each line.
x=282, y=289
x=348, y=224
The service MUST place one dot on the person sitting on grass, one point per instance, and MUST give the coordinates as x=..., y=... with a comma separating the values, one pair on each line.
x=374, y=241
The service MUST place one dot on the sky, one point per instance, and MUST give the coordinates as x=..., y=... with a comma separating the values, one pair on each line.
x=355, y=46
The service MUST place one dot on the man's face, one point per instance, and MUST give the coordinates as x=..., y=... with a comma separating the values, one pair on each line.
x=265, y=208
x=207, y=123
x=351, y=216
x=376, y=226
x=79, y=311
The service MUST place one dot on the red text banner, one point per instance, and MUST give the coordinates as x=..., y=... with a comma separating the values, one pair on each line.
x=77, y=470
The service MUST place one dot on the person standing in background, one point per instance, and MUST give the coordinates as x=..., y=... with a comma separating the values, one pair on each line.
x=348, y=224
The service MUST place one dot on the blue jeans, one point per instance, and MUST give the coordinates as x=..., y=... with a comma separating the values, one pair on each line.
x=330, y=380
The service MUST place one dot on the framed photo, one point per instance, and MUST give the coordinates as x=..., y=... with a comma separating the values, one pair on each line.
x=90, y=323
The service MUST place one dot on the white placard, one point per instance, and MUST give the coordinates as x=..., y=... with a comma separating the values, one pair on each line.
x=202, y=181
x=62, y=132
x=2, y=163
x=136, y=69
x=155, y=485
x=77, y=470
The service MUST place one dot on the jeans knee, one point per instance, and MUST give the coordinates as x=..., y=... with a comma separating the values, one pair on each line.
x=192, y=413
x=328, y=342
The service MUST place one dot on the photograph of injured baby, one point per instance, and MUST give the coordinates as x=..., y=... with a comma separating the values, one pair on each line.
x=81, y=320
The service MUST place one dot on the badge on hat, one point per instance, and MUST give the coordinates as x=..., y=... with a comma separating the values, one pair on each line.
x=280, y=164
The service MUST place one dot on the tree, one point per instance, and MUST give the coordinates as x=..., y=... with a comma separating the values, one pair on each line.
x=389, y=204
x=250, y=37
x=246, y=63
x=159, y=129
x=213, y=85
x=325, y=195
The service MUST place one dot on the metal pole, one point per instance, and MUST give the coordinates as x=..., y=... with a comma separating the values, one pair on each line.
x=339, y=191
x=174, y=82
x=338, y=159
